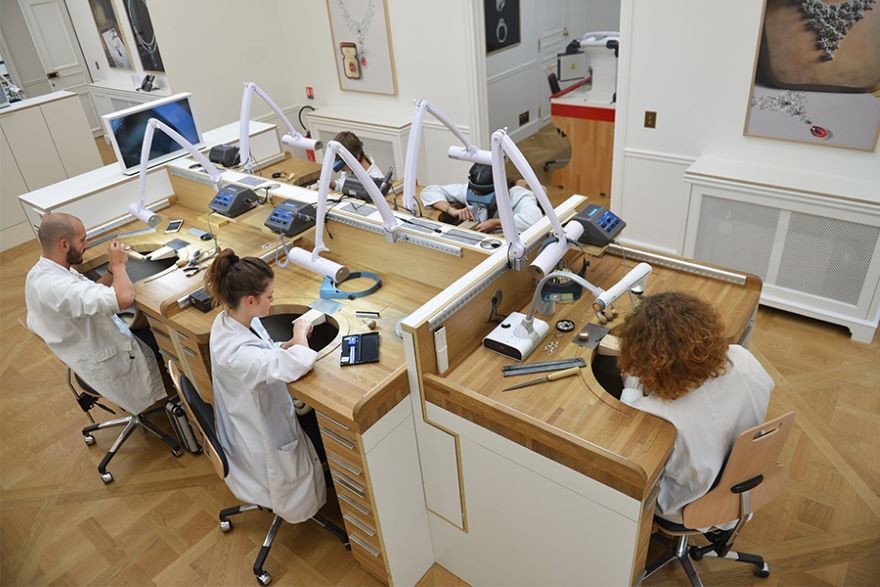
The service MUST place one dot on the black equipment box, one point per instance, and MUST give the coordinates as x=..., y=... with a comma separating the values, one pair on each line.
x=201, y=300
x=225, y=155
x=601, y=225
x=291, y=218
x=359, y=348
x=233, y=200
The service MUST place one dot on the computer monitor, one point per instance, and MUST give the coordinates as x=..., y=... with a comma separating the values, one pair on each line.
x=126, y=128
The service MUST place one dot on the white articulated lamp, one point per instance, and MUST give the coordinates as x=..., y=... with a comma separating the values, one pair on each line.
x=503, y=145
x=519, y=334
x=292, y=137
x=139, y=208
x=469, y=152
x=313, y=261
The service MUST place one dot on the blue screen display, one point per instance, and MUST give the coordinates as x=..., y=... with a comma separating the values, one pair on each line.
x=129, y=131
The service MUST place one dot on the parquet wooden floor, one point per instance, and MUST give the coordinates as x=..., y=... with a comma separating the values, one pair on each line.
x=156, y=524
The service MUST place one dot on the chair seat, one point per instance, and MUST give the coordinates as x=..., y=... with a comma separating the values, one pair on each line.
x=674, y=527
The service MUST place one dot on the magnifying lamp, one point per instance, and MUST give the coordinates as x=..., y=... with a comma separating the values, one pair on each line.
x=313, y=261
x=292, y=137
x=469, y=152
x=139, y=208
x=519, y=334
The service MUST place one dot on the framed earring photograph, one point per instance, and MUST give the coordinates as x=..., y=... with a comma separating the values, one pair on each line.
x=817, y=74
x=362, y=46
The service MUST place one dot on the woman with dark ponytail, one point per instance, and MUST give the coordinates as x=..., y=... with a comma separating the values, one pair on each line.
x=272, y=463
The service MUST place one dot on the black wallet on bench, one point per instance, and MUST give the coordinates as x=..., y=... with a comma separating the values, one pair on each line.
x=359, y=348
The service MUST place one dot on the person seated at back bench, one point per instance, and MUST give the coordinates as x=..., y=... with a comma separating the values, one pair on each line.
x=76, y=317
x=475, y=201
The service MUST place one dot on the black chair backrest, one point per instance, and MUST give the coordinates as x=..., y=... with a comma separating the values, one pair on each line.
x=204, y=413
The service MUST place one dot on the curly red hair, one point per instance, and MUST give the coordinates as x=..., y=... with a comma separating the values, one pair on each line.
x=673, y=342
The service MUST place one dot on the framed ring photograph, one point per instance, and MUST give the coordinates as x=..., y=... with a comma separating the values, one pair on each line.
x=362, y=46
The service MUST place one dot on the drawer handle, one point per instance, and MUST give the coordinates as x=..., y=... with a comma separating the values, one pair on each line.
x=359, y=525
x=349, y=484
x=332, y=421
x=350, y=468
x=189, y=352
x=365, y=511
x=346, y=443
x=364, y=545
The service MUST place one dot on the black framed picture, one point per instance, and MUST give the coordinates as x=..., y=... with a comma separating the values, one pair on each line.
x=145, y=36
x=502, y=24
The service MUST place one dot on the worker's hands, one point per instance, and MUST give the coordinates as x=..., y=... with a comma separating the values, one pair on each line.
x=490, y=225
x=117, y=255
x=463, y=214
x=302, y=329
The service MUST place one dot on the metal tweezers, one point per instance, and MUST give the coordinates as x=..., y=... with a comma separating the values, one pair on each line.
x=542, y=367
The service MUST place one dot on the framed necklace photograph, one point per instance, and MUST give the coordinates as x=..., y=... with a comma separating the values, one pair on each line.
x=817, y=74
x=362, y=46
x=502, y=24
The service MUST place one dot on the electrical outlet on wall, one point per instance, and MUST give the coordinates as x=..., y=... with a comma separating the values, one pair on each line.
x=650, y=119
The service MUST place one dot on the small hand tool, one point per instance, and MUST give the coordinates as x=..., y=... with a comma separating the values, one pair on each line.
x=549, y=377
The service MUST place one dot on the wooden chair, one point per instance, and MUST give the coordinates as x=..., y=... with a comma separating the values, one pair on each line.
x=751, y=478
x=201, y=416
x=88, y=397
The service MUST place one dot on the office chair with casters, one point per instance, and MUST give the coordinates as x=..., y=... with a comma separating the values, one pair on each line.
x=201, y=415
x=750, y=479
x=87, y=397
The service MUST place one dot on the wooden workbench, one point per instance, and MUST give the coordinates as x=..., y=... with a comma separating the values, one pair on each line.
x=572, y=422
x=348, y=401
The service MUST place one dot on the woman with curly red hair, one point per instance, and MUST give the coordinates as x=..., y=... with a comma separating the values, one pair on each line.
x=680, y=368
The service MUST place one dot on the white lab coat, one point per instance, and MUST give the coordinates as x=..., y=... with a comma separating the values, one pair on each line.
x=526, y=211
x=272, y=462
x=373, y=171
x=707, y=421
x=77, y=318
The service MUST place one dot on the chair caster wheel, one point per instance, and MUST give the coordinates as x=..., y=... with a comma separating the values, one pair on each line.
x=347, y=545
x=106, y=478
x=763, y=572
x=176, y=452
x=225, y=525
x=695, y=553
x=89, y=439
x=264, y=578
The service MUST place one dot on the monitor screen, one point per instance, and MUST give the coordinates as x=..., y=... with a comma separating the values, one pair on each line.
x=126, y=131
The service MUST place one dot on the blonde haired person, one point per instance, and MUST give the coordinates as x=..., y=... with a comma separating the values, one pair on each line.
x=680, y=368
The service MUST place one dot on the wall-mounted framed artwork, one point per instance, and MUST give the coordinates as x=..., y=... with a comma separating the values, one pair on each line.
x=362, y=46
x=502, y=24
x=111, y=36
x=817, y=73
x=144, y=35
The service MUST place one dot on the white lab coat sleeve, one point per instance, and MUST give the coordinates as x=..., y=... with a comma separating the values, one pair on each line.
x=262, y=365
x=78, y=298
x=455, y=192
x=526, y=210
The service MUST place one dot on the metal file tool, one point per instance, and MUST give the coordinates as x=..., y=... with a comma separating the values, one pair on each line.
x=542, y=367
x=549, y=377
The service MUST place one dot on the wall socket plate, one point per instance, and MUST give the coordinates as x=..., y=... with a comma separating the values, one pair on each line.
x=650, y=119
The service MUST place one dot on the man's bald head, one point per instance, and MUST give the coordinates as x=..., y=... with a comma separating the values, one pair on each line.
x=57, y=226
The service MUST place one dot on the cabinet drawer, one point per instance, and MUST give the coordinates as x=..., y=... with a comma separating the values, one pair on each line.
x=338, y=426
x=364, y=525
x=348, y=501
x=370, y=558
x=157, y=326
x=346, y=462
x=369, y=543
x=353, y=486
x=164, y=341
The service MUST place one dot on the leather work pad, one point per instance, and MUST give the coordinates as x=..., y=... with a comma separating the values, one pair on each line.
x=359, y=348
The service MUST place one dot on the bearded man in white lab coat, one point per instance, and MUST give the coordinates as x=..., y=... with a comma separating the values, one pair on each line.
x=76, y=317
x=272, y=463
x=680, y=368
